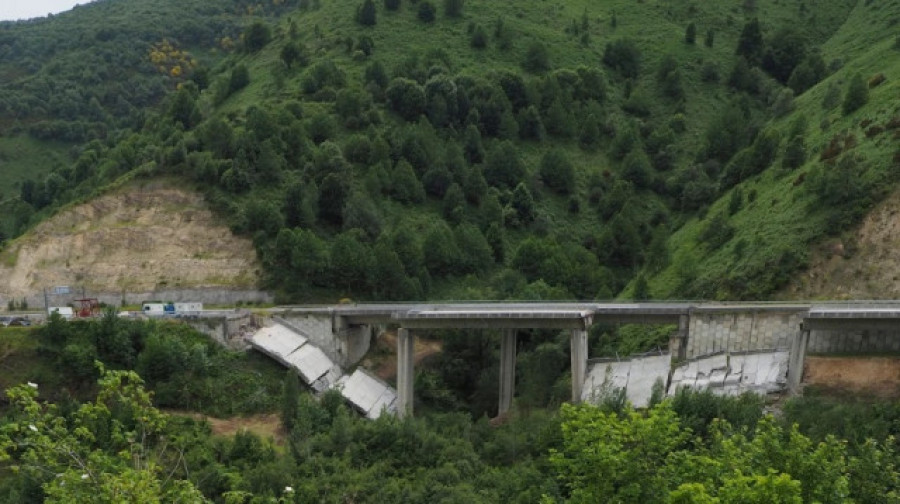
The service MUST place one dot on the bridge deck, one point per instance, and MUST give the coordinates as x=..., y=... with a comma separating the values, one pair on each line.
x=582, y=314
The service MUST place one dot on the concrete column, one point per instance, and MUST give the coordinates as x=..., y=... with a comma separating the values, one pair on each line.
x=684, y=327
x=579, y=355
x=405, y=372
x=796, y=360
x=507, y=370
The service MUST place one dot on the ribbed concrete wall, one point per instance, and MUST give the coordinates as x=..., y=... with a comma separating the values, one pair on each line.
x=722, y=331
x=854, y=341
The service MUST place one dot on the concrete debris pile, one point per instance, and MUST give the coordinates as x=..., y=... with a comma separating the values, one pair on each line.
x=636, y=376
x=728, y=374
x=734, y=374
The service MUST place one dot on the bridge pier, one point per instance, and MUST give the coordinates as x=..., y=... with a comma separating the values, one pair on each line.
x=507, y=369
x=797, y=359
x=405, y=372
x=579, y=355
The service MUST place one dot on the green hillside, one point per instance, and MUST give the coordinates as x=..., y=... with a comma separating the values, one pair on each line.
x=482, y=150
x=398, y=150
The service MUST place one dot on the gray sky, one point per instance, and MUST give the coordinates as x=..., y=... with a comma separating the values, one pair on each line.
x=26, y=9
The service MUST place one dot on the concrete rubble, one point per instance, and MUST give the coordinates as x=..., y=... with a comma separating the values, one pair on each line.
x=723, y=373
x=734, y=374
x=636, y=376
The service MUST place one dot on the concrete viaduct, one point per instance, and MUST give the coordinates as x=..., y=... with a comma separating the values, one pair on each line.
x=703, y=328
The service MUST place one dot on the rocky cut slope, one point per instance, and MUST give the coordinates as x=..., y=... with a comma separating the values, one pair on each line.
x=139, y=239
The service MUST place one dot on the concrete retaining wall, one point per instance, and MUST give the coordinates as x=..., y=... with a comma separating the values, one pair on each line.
x=853, y=341
x=718, y=331
x=227, y=330
x=216, y=296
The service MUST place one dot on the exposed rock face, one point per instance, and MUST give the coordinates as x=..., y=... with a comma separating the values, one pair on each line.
x=862, y=264
x=142, y=238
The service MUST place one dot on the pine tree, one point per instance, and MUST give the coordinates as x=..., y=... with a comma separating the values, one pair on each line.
x=750, y=43
x=523, y=203
x=365, y=14
x=426, y=12
x=690, y=34
x=641, y=289
x=710, y=38
x=453, y=8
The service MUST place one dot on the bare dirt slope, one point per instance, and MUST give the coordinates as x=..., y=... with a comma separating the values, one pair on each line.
x=384, y=359
x=862, y=264
x=875, y=376
x=139, y=238
x=264, y=425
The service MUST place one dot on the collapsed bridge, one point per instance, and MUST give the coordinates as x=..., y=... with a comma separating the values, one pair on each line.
x=704, y=330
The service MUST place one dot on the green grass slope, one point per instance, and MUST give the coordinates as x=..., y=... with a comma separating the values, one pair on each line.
x=785, y=211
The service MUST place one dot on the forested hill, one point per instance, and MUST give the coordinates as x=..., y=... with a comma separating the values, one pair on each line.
x=531, y=150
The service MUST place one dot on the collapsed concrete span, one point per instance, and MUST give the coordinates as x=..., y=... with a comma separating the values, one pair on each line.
x=285, y=343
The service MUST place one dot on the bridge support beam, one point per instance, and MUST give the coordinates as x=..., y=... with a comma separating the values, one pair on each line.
x=797, y=359
x=579, y=355
x=405, y=372
x=507, y=370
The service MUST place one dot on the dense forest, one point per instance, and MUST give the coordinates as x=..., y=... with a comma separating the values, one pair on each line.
x=104, y=437
x=497, y=157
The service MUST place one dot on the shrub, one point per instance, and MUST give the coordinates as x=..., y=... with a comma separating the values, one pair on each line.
x=240, y=77
x=392, y=4
x=709, y=72
x=876, y=80
x=623, y=56
x=669, y=78
x=406, y=97
x=832, y=97
x=257, y=36
x=857, y=95
x=537, y=60
x=503, y=167
x=557, y=171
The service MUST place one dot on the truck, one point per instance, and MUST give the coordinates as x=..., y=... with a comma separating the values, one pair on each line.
x=155, y=309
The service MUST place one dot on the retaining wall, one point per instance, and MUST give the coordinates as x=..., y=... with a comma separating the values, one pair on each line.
x=741, y=331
